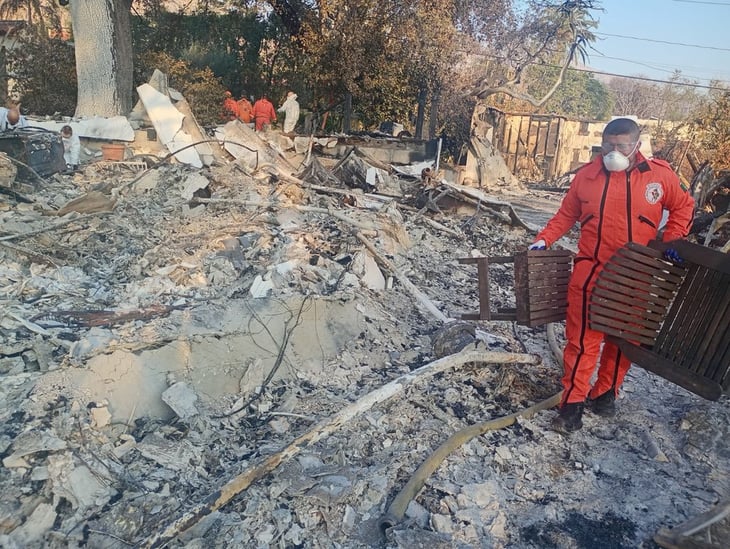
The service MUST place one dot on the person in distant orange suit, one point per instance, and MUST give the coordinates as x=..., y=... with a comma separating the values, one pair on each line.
x=263, y=112
x=245, y=110
x=230, y=107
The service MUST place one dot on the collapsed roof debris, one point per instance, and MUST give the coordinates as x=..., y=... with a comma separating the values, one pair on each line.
x=166, y=332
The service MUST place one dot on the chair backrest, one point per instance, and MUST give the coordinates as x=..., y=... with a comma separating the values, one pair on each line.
x=680, y=313
x=540, y=283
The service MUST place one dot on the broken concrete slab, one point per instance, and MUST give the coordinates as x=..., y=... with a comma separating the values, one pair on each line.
x=32, y=442
x=35, y=526
x=191, y=126
x=115, y=128
x=181, y=398
x=170, y=454
x=365, y=266
x=246, y=145
x=77, y=483
x=168, y=122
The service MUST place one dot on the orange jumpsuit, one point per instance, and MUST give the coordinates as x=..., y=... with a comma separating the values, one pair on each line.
x=613, y=208
x=230, y=109
x=244, y=110
x=263, y=113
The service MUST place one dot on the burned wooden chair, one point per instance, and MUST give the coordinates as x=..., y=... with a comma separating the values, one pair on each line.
x=541, y=287
x=673, y=320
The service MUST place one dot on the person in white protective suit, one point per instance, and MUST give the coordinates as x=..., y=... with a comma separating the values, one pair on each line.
x=290, y=108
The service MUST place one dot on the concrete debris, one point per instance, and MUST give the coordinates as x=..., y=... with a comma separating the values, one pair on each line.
x=100, y=417
x=36, y=526
x=32, y=442
x=168, y=328
x=168, y=122
x=115, y=128
x=76, y=483
x=181, y=398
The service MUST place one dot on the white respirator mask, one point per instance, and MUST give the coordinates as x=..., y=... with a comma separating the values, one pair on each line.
x=616, y=162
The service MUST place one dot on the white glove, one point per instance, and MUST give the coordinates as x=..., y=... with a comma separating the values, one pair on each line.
x=539, y=245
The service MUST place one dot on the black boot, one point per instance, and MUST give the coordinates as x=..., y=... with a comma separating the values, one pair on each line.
x=569, y=418
x=604, y=405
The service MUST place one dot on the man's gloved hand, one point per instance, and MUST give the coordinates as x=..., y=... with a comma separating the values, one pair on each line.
x=672, y=255
x=539, y=245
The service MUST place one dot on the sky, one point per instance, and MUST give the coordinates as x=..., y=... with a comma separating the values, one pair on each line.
x=652, y=38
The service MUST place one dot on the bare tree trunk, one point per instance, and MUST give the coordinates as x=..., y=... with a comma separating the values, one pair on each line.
x=347, y=116
x=421, y=115
x=433, y=119
x=3, y=75
x=103, y=44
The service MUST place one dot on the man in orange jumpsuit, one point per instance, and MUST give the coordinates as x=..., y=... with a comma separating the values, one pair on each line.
x=230, y=107
x=244, y=110
x=617, y=198
x=263, y=112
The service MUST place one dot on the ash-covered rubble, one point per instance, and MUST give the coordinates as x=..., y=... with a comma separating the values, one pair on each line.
x=178, y=326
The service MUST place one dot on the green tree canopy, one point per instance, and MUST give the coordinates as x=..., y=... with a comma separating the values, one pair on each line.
x=580, y=95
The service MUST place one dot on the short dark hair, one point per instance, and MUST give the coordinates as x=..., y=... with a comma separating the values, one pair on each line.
x=67, y=130
x=622, y=126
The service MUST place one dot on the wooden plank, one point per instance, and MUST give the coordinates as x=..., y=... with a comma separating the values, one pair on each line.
x=724, y=380
x=555, y=305
x=470, y=316
x=640, y=295
x=691, y=315
x=482, y=264
x=656, y=307
x=503, y=316
x=558, y=316
x=684, y=378
x=598, y=319
x=673, y=325
x=717, y=366
x=661, y=265
x=634, y=285
x=536, y=292
x=544, y=270
x=625, y=317
x=501, y=259
x=643, y=276
x=630, y=314
x=553, y=262
x=619, y=333
x=547, y=293
x=548, y=278
x=549, y=311
x=699, y=255
x=536, y=255
x=648, y=251
x=719, y=299
x=645, y=281
x=522, y=296
x=719, y=344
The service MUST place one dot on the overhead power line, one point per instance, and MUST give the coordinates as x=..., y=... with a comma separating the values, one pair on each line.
x=646, y=79
x=653, y=67
x=663, y=41
x=700, y=2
